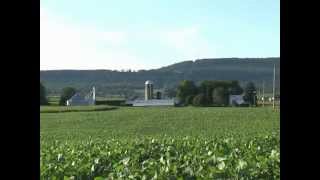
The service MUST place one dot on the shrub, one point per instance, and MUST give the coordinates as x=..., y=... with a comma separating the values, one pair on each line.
x=250, y=94
x=43, y=96
x=67, y=93
x=186, y=88
x=220, y=96
x=189, y=100
x=199, y=100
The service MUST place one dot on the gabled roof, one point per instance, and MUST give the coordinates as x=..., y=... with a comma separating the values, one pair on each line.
x=77, y=96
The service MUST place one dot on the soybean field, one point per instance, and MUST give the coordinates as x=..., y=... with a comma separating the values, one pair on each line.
x=160, y=143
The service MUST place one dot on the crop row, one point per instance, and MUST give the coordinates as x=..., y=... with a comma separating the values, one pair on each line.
x=163, y=158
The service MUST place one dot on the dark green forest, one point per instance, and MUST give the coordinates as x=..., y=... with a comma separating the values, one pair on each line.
x=130, y=83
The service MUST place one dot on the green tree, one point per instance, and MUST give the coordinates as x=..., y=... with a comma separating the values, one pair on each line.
x=189, y=100
x=250, y=94
x=158, y=95
x=220, y=96
x=186, y=88
x=235, y=88
x=219, y=89
x=206, y=88
x=199, y=100
x=66, y=94
x=43, y=95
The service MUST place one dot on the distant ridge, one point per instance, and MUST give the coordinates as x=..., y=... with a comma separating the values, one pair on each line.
x=115, y=82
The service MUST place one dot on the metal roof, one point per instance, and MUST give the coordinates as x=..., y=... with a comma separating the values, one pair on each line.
x=148, y=82
x=153, y=102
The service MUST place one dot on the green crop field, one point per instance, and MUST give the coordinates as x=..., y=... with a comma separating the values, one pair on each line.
x=161, y=143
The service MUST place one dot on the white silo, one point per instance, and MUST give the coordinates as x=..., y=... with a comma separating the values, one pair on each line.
x=148, y=92
x=93, y=95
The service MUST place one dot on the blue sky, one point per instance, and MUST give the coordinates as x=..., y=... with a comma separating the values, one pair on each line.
x=141, y=34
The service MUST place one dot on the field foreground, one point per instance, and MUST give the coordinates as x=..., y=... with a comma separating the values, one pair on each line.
x=161, y=143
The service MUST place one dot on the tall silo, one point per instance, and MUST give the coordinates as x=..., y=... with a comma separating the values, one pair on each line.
x=148, y=92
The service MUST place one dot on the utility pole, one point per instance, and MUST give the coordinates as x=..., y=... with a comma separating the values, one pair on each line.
x=254, y=98
x=274, y=80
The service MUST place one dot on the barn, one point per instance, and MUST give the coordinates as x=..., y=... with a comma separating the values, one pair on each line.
x=149, y=100
x=80, y=100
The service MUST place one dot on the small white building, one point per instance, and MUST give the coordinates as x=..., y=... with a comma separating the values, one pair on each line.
x=236, y=99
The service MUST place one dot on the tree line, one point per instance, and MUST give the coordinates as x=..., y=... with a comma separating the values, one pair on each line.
x=66, y=94
x=214, y=93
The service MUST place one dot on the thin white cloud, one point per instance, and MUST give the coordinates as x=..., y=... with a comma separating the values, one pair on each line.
x=64, y=45
x=67, y=46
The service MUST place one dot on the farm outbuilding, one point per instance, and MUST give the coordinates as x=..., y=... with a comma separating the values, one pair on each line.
x=235, y=100
x=149, y=100
x=80, y=100
x=154, y=102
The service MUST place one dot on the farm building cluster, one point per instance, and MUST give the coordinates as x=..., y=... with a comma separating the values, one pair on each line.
x=148, y=100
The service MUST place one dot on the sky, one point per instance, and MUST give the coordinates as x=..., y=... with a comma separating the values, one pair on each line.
x=148, y=34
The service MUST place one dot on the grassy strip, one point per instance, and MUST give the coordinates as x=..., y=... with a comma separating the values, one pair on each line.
x=63, y=109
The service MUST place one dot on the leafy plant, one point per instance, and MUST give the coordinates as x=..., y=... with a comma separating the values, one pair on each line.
x=164, y=157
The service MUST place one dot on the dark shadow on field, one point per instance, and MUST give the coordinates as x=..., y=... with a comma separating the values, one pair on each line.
x=79, y=110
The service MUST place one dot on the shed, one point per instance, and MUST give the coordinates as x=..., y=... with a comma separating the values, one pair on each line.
x=78, y=100
x=236, y=100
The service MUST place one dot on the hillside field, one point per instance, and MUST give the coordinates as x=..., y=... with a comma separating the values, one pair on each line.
x=161, y=142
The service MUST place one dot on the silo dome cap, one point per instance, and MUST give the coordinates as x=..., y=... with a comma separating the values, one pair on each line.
x=148, y=82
